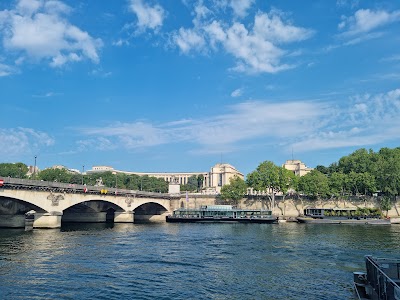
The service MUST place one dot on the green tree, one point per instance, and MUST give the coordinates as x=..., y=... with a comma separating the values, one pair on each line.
x=59, y=175
x=385, y=204
x=314, y=184
x=14, y=170
x=388, y=171
x=337, y=184
x=191, y=184
x=200, y=180
x=271, y=179
x=235, y=190
x=360, y=161
x=322, y=169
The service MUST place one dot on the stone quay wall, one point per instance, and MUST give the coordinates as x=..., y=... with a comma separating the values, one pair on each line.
x=288, y=207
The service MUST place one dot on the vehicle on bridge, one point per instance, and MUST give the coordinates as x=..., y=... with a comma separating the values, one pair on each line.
x=221, y=213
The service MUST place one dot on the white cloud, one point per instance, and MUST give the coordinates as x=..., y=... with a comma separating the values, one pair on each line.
x=368, y=120
x=256, y=49
x=6, y=70
x=366, y=20
x=237, y=93
x=17, y=141
x=40, y=30
x=349, y=3
x=46, y=95
x=245, y=121
x=148, y=17
x=189, y=39
x=240, y=7
x=304, y=125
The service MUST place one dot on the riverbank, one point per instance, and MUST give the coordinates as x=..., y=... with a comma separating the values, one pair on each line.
x=289, y=207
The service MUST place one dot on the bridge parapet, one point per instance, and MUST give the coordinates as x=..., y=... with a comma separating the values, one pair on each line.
x=39, y=185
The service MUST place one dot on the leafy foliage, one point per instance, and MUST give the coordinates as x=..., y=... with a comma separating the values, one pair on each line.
x=191, y=185
x=270, y=178
x=17, y=170
x=235, y=190
x=314, y=184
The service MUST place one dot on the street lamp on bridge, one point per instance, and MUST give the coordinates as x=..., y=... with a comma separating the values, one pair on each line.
x=116, y=183
x=34, y=168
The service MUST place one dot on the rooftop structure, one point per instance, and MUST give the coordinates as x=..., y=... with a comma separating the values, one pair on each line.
x=297, y=167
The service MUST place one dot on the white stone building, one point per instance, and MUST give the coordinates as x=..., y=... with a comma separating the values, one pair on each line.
x=297, y=167
x=219, y=175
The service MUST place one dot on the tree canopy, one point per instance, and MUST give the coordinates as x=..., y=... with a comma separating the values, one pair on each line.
x=235, y=190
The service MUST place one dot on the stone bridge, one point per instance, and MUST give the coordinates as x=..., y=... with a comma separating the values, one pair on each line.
x=52, y=203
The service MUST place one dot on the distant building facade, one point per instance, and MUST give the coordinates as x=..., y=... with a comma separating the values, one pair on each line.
x=297, y=167
x=219, y=175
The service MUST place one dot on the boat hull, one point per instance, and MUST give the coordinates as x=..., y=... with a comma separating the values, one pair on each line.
x=343, y=221
x=171, y=219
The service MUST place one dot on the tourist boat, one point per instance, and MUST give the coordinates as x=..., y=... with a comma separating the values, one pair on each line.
x=381, y=281
x=221, y=213
x=343, y=216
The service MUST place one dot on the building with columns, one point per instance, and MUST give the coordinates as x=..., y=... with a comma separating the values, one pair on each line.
x=219, y=175
x=297, y=167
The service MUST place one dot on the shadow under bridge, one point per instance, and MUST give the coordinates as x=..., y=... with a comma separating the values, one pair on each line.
x=97, y=211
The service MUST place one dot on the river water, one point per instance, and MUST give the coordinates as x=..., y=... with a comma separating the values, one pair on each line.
x=190, y=261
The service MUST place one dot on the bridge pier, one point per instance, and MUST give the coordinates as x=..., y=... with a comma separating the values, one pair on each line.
x=47, y=220
x=124, y=217
x=85, y=217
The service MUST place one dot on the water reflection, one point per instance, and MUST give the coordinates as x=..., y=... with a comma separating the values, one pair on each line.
x=196, y=261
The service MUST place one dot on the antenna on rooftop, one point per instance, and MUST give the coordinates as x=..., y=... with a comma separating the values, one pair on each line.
x=292, y=154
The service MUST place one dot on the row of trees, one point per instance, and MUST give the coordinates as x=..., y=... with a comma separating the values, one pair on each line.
x=119, y=180
x=364, y=172
x=194, y=184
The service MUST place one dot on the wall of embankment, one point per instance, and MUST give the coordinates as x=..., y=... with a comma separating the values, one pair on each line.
x=290, y=206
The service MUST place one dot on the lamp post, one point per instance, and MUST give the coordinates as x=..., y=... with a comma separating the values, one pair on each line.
x=83, y=171
x=34, y=168
x=116, y=183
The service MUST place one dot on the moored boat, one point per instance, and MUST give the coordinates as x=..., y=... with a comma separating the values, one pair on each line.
x=221, y=213
x=380, y=281
x=343, y=216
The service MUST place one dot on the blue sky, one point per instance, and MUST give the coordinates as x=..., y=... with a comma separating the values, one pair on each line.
x=179, y=85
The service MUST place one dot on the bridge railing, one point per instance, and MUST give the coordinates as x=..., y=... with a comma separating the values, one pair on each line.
x=16, y=183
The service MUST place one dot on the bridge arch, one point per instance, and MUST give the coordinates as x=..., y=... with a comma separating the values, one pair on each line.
x=91, y=211
x=17, y=206
x=150, y=211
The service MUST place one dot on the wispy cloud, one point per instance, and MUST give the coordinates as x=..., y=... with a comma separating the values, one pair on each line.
x=46, y=95
x=368, y=120
x=245, y=121
x=39, y=30
x=347, y=3
x=237, y=93
x=239, y=7
x=362, y=25
x=6, y=70
x=17, y=141
x=303, y=125
x=366, y=20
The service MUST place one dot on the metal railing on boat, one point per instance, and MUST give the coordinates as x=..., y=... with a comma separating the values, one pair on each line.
x=383, y=276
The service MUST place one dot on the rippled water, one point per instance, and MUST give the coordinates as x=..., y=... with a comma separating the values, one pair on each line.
x=190, y=261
